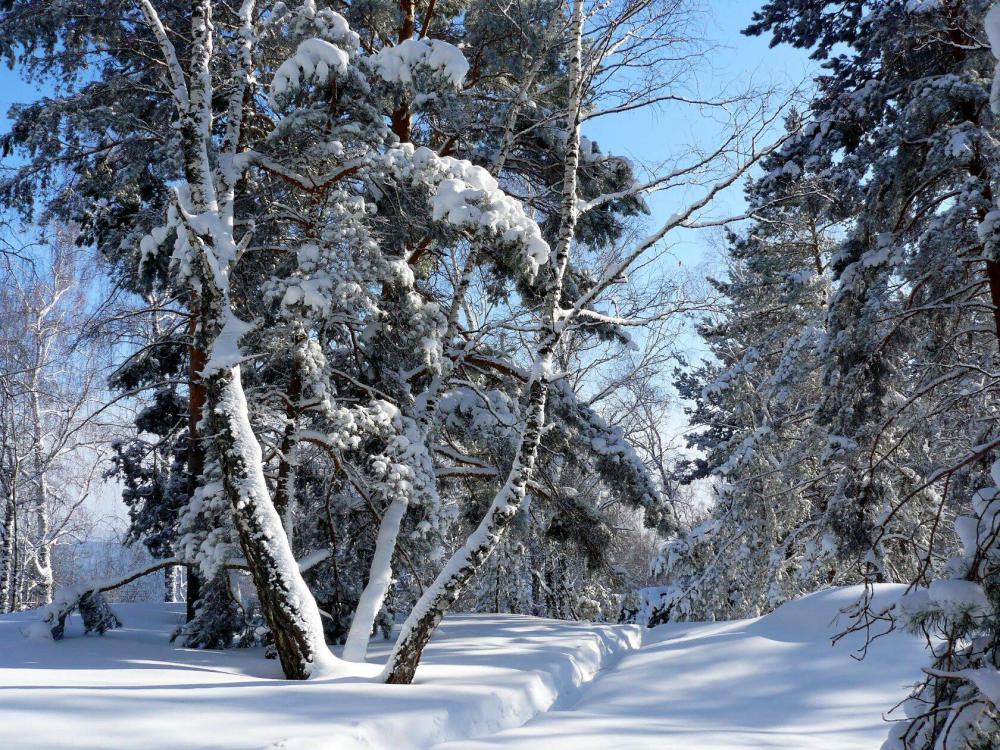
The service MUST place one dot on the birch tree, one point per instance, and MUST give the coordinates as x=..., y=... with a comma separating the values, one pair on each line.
x=375, y=275
x=50, y=383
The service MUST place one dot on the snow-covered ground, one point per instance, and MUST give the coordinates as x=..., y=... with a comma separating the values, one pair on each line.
x=773, y=682
x=132, y=688
x=513, y=681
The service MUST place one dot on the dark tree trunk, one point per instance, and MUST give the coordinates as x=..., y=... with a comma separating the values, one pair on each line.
x=286, y=603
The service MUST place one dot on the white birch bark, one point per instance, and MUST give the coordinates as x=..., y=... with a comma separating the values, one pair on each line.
x=438, y=598
x=286, y=601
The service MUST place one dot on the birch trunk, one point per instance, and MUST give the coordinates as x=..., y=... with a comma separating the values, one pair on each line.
x=379, y=580
x=171, y=583
x=9, y=561
x=450, y=583
x=285, y=496
x=195, y=448
x=438, y=599
x=380, y=574
x=40, y=592
x=286, y=602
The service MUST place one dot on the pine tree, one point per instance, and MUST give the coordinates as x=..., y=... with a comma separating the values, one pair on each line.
x=903, y=132
x=368, y=317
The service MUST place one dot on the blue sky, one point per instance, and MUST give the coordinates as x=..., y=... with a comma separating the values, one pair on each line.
x=650, y=136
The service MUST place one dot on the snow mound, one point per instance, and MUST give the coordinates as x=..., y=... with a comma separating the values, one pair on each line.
x=820, y=616
x=132, y=688
x=774, y=682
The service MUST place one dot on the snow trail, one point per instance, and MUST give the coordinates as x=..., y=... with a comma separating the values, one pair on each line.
x=773, y=682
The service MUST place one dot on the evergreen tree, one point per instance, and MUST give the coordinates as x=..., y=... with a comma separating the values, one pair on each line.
x=367, y=316
x=901, y=138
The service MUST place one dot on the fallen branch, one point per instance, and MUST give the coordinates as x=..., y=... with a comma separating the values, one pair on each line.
x=94, y=609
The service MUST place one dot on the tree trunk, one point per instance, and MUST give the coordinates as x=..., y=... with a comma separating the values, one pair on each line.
x=380, y=574
x=379, y=579
x=87, y=598
x=9, y=555
x=448, y=586
x=286, y=602
x=195, y=450
x=171, y=582
x=284, y=492
x=41, y=585
x=437, y=600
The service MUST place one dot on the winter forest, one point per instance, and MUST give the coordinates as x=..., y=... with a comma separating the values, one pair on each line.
x=525, y=373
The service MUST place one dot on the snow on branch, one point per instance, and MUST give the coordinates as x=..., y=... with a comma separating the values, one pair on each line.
x=314, y=60
x=467, y=196
x=992, y=26
x=397, y=64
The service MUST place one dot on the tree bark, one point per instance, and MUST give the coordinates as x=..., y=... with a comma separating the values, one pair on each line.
x=195, y=452
x=286, y=602
x=9, y=560
x=438, y=599
x=379, y=580
x=41, y=585
x=171, y=581
x=284, y=492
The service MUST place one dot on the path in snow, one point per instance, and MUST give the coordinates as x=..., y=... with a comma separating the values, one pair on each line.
x=774, y=682
x=132, y=688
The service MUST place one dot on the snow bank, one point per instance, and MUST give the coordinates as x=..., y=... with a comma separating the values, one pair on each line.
x=773, y=682
x=131, y=688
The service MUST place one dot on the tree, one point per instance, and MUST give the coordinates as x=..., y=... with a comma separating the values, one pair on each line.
x=369, y=313
x=905, y=135
x=754, y=409
x=49, y=381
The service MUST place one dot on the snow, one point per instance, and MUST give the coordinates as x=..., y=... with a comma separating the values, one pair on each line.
x=987, y=680
x=773, y=682
x=959, y=596
x=254, y=505
x=509, y=680
x=466, y=195
x=313, y=60
x=379, y=580
x=132, y=688
x=225, y=351
x=396, y=64
x=992, y=25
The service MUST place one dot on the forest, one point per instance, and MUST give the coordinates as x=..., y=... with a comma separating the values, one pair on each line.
x=537, y=373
